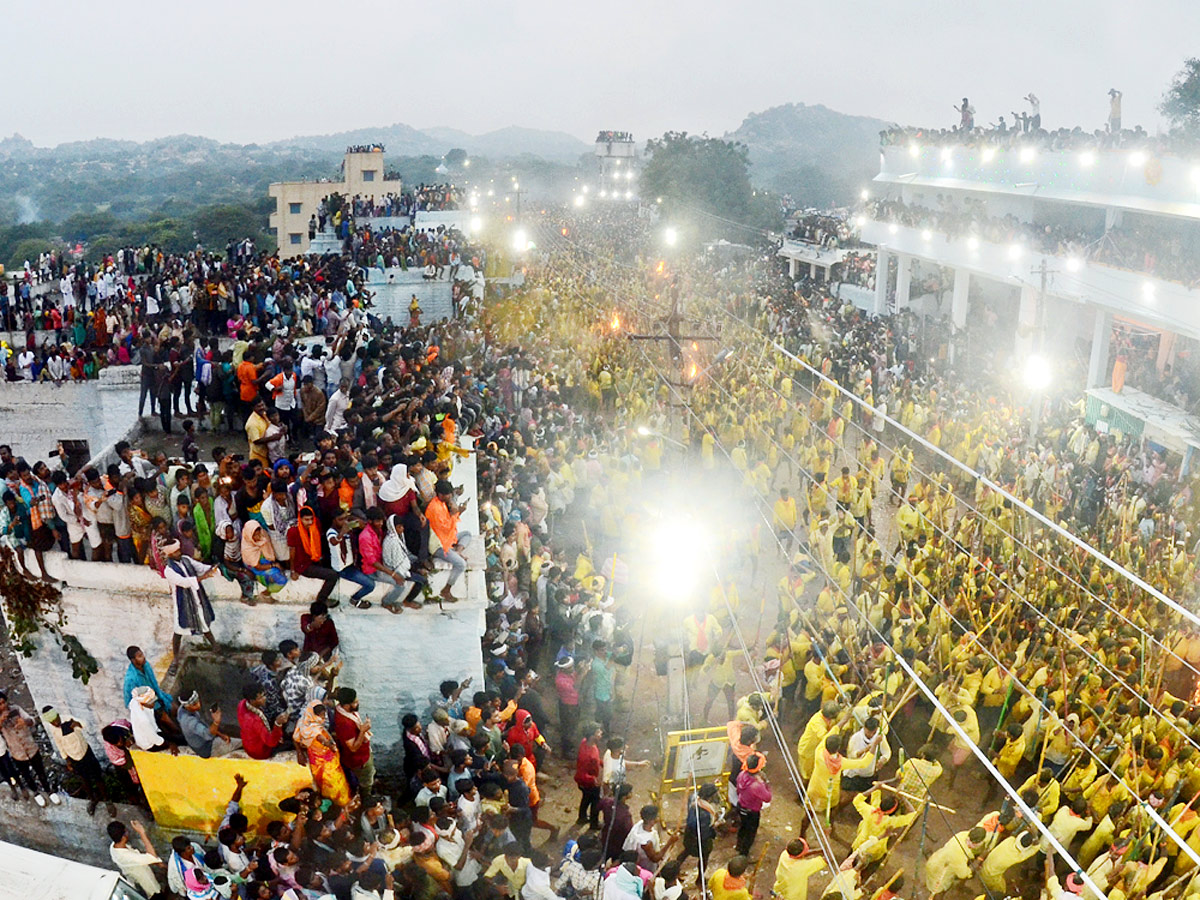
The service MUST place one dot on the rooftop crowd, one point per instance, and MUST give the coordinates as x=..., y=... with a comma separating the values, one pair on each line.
x=1140, y=248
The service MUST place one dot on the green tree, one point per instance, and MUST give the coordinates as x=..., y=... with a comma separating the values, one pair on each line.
x=27, y=249
x=706, y=182
x=456, y=157
x=1181, y=102
x=217, y=225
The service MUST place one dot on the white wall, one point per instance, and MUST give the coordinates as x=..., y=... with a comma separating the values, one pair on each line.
x=35, y=416
x=394, y=661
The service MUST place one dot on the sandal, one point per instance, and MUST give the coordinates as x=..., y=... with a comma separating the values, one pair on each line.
x=173, y=669
x=393, y=609
x=250, y=601
x=412, y=604
x=362, y=604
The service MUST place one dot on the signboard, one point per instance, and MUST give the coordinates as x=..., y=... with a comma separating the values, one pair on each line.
x=694, y=757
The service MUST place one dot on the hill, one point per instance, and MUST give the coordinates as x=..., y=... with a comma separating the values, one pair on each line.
x=819, y=156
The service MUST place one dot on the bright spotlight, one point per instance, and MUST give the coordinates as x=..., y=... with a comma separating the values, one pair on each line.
x=1037, y=373
x=860, y=221
x=491, y=193
x=629, y=195
x=914, y=150
x=680, y=550
x=670, y=236
x=466, y=164
x=1027, y=154
x=1087, y=159
x=866, y=195
x=476, y=225
x=658, y=199
x=973, y=242
x=644, y=431
x=629, y=175
x=989, y=153
x=1074, y=264
x=520, y=240
x=947, y=154
x=1015, y=251
x=585, y=188
x=579, y=199
x=927, y=235
x=893, y=228
x=603, y=194
x=1137, y=159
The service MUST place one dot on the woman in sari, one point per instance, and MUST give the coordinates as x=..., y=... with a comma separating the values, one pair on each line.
x=139, y=521
x=312, y=734
x=258, y=555
x=202, y=513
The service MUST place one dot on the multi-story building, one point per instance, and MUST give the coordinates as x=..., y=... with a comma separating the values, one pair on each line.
x=618, y=158
x=297, y=201
x=1068, y=251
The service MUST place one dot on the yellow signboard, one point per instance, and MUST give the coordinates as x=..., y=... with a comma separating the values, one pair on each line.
x=696, y=756
x=191, y=793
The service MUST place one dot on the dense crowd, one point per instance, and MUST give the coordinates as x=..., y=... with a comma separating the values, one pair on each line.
x=1070, y=678
x=825, y=230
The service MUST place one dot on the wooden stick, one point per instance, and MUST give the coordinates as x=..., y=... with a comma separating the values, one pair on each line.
x=890, y=882
x=915, y=799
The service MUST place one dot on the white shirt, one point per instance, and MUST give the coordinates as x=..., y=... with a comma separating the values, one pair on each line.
x=135, y=865
x=145, y=729
x=341, y=553
x=639, y=836
x=335, y=412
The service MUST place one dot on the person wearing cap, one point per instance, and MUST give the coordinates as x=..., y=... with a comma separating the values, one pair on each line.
x=205, y=738
x=795, y=867
x=566, y=686
x=193, y=612
x=72, y=746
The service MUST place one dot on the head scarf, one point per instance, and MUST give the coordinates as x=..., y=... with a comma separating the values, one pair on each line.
x=310, y=536
x=312, y=726
x=256, y=544
x=395, y=554
x=197, y=889
x=397, y=485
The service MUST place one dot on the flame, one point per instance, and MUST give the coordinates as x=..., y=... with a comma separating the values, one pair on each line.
x=616, y=322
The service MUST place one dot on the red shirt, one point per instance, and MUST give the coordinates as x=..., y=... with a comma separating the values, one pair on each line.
x=345, y=729
x=587, y=765
x=323, y=640
x=257, y=740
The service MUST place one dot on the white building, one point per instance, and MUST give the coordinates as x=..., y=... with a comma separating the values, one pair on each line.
x=1066, y=249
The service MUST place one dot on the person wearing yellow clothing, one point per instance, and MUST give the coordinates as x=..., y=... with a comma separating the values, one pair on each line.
x=784, y=519
x=1012, y=851
x=813, y=737
x=730, y=883
x=796, y=865
x=703, y=635
x=825, y=785
x=512, y=866
x=951, y=862
x=918, y=773
x=879, y=822
x=1010, y=755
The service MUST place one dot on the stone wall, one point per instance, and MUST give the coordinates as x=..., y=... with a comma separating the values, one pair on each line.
x=395, y=662
x=35, y=416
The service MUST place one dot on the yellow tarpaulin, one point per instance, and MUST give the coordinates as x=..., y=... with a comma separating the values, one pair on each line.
x=191, y=793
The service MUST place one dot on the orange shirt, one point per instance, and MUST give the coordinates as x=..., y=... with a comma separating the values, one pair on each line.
x=247, y=376
x=442, y=523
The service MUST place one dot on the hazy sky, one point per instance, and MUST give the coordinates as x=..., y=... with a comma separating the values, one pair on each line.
x=260, y=70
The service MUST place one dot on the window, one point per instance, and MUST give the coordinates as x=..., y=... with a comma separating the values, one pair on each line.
x=294, y=237
x=368, y=174
x=294, y=209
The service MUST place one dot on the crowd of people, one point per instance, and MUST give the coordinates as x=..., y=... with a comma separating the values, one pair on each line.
x=922, y=615
x=422, y=197
x=825, y=230
x=1142, y=249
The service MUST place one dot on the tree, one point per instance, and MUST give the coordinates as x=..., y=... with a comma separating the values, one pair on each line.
x=456, y=157
x=707, y=182
x=216, y=225
x=1181, y=102
x=27, y=249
